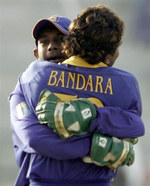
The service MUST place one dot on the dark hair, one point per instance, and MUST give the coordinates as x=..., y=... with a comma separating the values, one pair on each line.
x=96, y=32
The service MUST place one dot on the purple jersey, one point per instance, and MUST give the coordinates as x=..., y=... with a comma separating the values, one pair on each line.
x=40, y=154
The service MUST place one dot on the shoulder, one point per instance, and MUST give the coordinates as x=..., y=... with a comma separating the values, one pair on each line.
x=122, y=78
x=126, y=81
x=35, y=68
x=38, y=65
x=39, y=68
x=121, y=73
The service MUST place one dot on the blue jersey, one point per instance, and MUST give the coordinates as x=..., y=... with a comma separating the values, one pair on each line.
x=41, y=155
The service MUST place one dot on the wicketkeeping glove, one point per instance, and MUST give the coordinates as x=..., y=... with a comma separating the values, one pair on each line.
x=66, y=118
x=110, y=151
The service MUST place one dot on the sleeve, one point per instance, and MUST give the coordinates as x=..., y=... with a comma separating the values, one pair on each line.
x=115, y=121
x=32, y=137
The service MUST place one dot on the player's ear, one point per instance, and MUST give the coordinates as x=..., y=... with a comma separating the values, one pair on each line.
x=35, y=51
x=108, y=59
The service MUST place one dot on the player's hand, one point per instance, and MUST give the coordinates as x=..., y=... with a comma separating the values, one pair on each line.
x=66, y=118
x=110, y=151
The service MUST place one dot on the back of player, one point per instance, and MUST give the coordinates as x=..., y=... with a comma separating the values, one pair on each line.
x=113, y=87
x=98, y=83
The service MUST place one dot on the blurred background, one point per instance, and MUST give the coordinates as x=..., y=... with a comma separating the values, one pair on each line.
x=17, y=18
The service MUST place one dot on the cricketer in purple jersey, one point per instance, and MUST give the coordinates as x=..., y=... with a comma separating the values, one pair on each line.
x=44, y=158
x=40, y=154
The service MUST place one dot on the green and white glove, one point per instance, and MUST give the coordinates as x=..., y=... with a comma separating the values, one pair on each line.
x=66, y=118
x=110, y=151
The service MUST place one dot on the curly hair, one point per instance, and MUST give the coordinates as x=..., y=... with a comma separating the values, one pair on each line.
x=94, y=33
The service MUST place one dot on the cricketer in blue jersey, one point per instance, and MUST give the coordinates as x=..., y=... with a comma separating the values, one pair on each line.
x=42, y=156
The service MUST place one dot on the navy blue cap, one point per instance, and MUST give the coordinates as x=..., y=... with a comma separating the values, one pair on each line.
x=60, y=22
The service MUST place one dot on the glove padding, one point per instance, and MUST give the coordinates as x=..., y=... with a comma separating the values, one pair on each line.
x=110, y=151
x=66, y=118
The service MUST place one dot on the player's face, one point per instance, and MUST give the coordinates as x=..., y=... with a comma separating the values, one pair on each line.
x=49, y=46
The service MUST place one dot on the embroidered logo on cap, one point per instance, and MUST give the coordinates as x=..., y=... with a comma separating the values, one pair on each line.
x=56, y=19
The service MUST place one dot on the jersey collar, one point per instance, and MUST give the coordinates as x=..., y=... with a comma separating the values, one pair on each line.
x=77, y=61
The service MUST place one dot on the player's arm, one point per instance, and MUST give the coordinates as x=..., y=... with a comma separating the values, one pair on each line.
x=32, y=137
x=115, y=121
x=71, y=118
x=80, y=116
